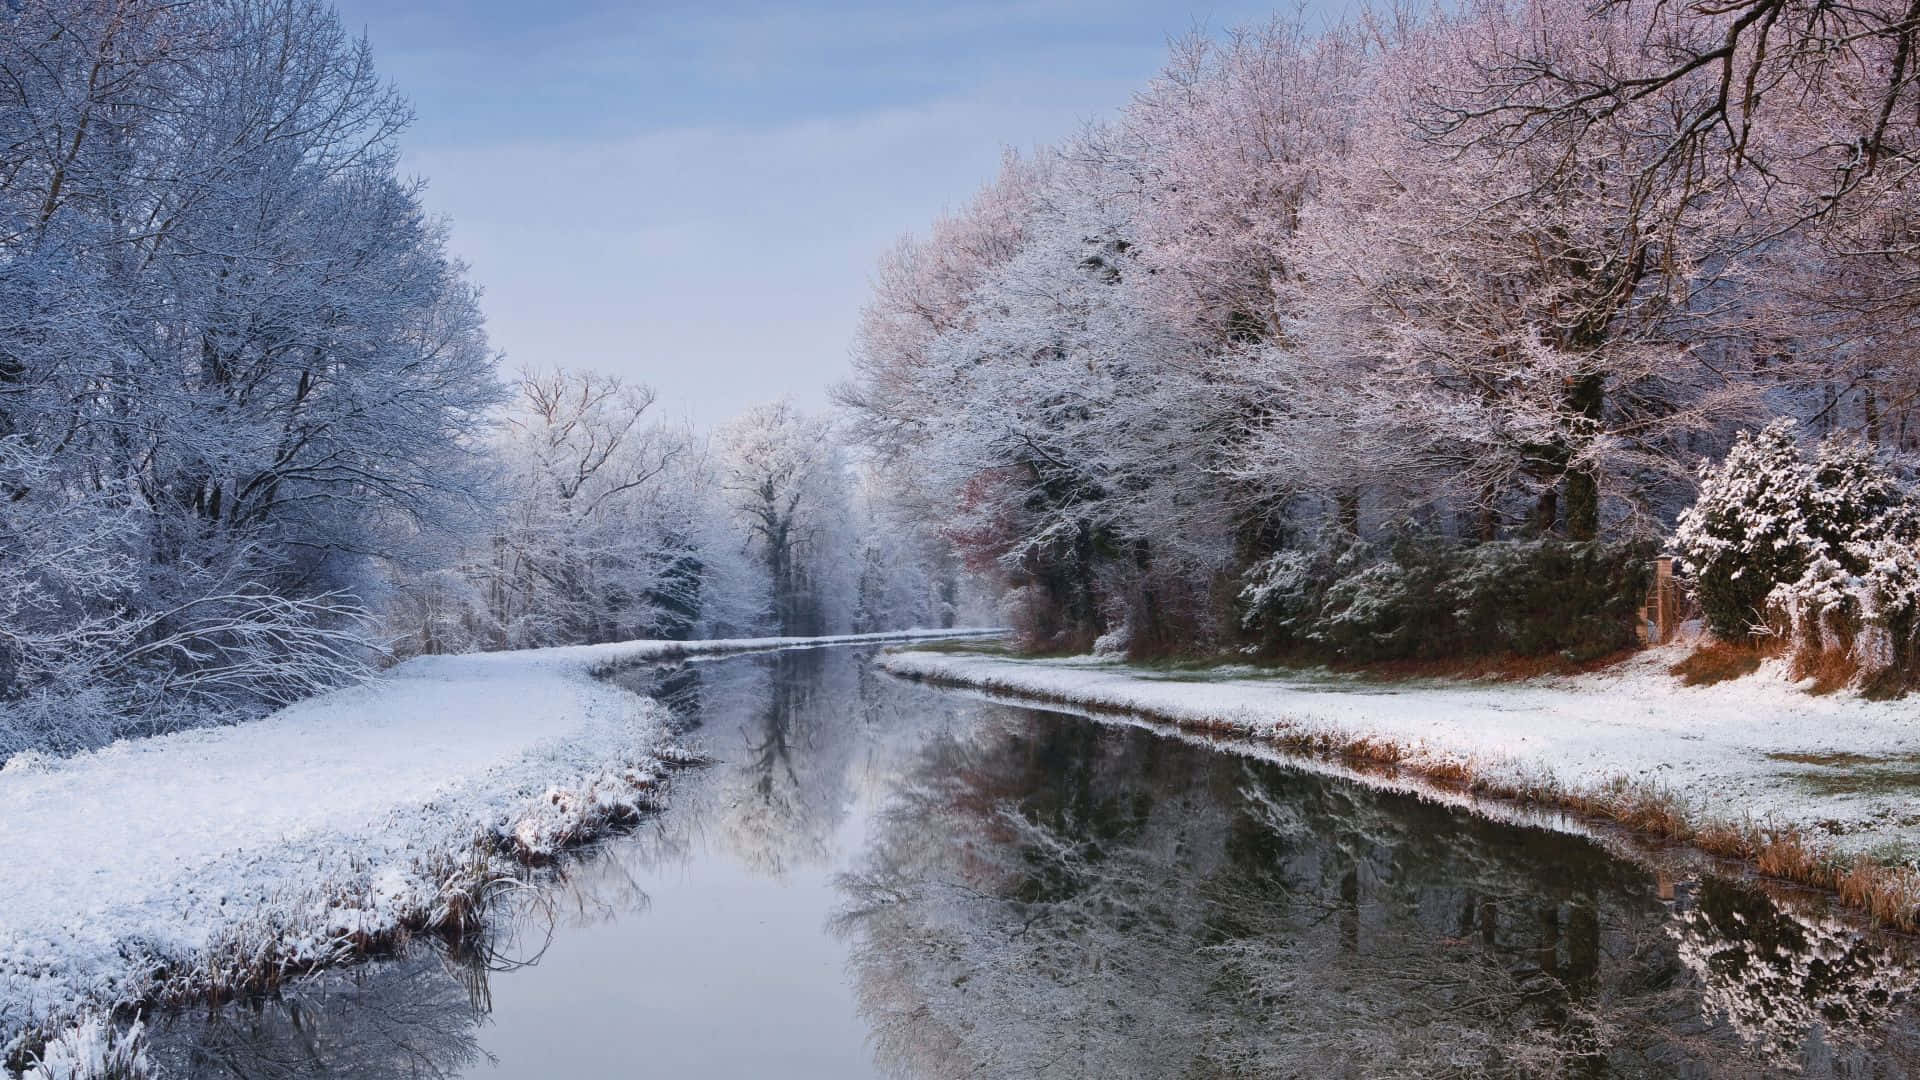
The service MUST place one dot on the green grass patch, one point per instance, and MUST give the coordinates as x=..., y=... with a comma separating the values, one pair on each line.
x=1844, y=773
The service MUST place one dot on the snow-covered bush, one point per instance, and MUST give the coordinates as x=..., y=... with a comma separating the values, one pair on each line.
x=1768, y=511
x=1283, y=596
x=1886, y=595
x=1393, y=609
x=1114, y=643
x=1823, y=548
x=1275, y=590
x=1853, y=611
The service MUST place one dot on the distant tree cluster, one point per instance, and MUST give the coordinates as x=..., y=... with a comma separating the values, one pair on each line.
x=605, y=525
x=1506, y=271
x=609, y=525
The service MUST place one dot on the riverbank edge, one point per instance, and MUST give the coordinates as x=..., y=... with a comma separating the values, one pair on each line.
x=1888, y=893
x=443, y=891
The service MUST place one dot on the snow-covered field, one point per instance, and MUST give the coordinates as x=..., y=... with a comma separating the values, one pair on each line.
x=151, y=862
x=1757, y=748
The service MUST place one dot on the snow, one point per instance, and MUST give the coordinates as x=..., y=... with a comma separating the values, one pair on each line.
x=93, y=1050
x=336, y=817
x=1728, y=750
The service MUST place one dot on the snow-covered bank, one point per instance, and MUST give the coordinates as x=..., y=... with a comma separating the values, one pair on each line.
x=1756, y=750
x=187, y=860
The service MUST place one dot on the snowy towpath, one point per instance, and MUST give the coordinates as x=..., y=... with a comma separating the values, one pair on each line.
x=152, y=852
x=1756, y=747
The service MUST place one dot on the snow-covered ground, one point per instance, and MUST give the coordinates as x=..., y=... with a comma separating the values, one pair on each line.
x=145, y=862
x=1757, y=748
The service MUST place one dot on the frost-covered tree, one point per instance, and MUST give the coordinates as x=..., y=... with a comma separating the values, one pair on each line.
x=922, y=290
x=1057, y=425
x=1805, y=111
x=909, y=576
x=609, y=525
x=787, y=477
x=1540, y=326
x=1229, y=143
x=574, y=560
x=239, y=372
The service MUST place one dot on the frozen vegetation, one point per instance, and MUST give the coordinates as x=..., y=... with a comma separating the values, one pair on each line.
x=221, y=859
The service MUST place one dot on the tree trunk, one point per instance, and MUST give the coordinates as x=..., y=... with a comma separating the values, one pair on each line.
x=1546, y=511
x=1583, y=481
x=1347, y=509
x=1583, y=505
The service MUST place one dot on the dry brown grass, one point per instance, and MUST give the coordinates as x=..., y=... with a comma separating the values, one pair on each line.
x=1451, y=773
x=1890, y=894
x=1645, y=809
x=1788, y=855
x=1728, y=840
x=1718, y=661
x=1830, y=669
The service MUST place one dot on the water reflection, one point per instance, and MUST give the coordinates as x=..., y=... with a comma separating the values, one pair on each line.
x=1049, y=897
x=935, y=886
x=418, y=1015
x=415, y=1017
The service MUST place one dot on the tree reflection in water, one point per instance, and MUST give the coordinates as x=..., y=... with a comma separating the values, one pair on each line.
x=783, y=732
x=1050, y=897
x=785, y=796
x=415, y=1015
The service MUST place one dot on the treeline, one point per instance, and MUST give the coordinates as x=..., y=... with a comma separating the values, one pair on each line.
x=253, y=441
x=1429, y=316
x=607, y=524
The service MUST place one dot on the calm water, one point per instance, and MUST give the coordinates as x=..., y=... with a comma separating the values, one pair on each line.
x=875, y=878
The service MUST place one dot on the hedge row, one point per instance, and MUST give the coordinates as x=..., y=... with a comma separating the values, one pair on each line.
x=1421, y=598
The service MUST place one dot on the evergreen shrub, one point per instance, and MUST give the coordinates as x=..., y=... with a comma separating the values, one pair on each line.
x=1426, y=598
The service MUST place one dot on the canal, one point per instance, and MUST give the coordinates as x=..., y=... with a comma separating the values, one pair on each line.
x=876, y=878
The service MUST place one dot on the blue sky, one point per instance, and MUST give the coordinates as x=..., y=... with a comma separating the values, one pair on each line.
x=694, y=195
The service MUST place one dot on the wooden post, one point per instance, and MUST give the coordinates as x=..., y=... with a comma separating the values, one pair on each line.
x=1665, y=616
x=1660, y=613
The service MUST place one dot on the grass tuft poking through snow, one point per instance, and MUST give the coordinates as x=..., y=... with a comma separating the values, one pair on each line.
x=93, y=1049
